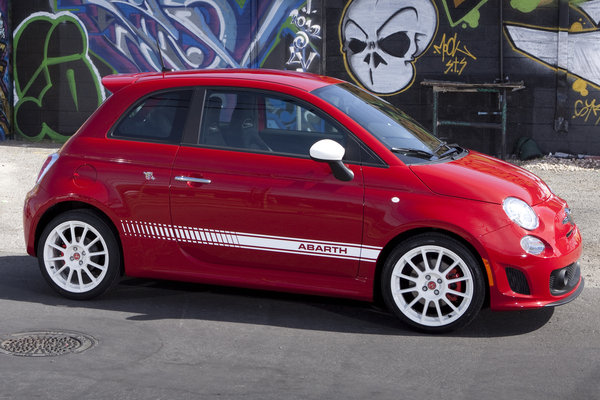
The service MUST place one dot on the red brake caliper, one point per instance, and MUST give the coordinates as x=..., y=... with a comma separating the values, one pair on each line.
x=457, y=286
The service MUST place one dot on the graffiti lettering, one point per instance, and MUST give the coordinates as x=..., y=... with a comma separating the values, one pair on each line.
x=302, y=22
x=458, y=56
x=455, y=65
x=451, y=47
x=301, y=51
x=586, y=109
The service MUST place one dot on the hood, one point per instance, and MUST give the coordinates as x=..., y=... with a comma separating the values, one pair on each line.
x=484, y=178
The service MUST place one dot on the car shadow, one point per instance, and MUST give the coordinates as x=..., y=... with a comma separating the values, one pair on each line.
x=155, y=300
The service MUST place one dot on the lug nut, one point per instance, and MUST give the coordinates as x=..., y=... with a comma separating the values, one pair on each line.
x=439, y=281
x=428, y=277
x=81, y=263
x=72, y=258
x=424, y=288
x=436, y=292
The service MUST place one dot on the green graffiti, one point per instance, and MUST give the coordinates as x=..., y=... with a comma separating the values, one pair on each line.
x=72, y=86
x=525, y=6
x=241, y=3
x=287, y=25
x=465, y=14
x=472, y=18
x=62, y=78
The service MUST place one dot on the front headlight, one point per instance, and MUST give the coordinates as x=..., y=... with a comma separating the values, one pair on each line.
x=532, y=245
x=520, y=213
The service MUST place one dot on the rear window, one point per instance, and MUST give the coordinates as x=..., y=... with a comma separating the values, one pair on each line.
x=160, y=117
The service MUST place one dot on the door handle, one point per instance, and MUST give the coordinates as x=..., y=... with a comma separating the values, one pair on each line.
x=191, y=179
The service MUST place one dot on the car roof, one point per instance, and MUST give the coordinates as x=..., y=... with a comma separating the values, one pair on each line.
x=300, y=80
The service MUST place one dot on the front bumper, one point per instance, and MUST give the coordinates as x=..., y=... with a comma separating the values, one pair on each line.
x=520, y=280
x=570, y=297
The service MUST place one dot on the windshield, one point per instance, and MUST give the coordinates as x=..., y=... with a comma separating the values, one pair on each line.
x=400, y=133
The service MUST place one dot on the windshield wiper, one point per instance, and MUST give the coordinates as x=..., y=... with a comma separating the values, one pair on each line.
x=415, y=152
x=442, y=144
x=451, y=150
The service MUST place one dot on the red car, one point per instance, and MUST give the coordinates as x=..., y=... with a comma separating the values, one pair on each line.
x=295, y=182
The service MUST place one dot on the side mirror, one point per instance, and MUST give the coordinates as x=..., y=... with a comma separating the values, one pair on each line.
x=332, y=152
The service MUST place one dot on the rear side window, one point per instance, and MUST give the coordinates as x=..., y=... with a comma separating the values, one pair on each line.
x=160, y=117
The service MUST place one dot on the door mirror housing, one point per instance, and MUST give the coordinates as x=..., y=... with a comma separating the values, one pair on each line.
x=332, y=152
x=327, y=150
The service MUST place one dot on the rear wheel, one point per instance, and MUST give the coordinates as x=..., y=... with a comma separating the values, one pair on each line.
x=433, y=283
x=79, y=255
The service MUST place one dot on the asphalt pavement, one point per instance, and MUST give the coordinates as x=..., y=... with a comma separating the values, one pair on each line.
x=165, y=340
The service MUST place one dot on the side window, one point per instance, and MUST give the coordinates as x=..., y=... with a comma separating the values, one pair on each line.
x=231, y=119
x=286, y=115
x=160, y=117
x=293, y=128
x=267, y=123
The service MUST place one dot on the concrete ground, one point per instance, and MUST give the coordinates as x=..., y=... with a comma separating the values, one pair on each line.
x=164, y=340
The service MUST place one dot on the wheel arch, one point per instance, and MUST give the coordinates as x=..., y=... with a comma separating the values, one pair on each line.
x=65, y=206
x=389, y=247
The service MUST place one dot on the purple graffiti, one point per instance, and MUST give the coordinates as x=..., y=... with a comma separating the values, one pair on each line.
x=5, y=78
x=191, y=34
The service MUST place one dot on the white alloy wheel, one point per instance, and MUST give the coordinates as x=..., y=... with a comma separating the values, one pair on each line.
x=77, y=255
x=434, y=283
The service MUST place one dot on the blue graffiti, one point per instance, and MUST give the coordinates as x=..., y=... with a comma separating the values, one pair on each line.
x=190, y=33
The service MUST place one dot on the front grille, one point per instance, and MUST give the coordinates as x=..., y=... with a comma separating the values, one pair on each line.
x=563, y=280
x=517, y=281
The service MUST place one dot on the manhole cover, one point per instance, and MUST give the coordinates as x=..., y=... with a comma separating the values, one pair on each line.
x=45, y=344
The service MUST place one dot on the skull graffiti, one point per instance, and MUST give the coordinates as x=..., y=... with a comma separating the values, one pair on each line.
x=382, y=38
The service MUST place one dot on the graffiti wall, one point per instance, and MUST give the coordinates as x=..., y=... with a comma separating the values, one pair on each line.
x=63, y=47
x=5, y=78
x=62, y=50
x=552, y=46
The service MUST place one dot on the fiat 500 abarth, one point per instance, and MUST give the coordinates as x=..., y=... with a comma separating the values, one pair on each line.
x=295, y=182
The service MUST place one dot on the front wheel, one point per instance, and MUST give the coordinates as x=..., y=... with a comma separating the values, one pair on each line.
x=433, y=283
x=79, y=255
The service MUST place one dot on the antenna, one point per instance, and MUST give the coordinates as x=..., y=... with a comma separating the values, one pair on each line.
x=162, y=62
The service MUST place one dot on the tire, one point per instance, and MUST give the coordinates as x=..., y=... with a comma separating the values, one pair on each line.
x=78, y=255
x=433, y=283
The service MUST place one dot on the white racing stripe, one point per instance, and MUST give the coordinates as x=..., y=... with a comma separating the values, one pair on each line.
x=278, y=244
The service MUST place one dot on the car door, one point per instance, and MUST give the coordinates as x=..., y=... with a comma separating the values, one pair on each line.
x=137, y=161
x=246, y=194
